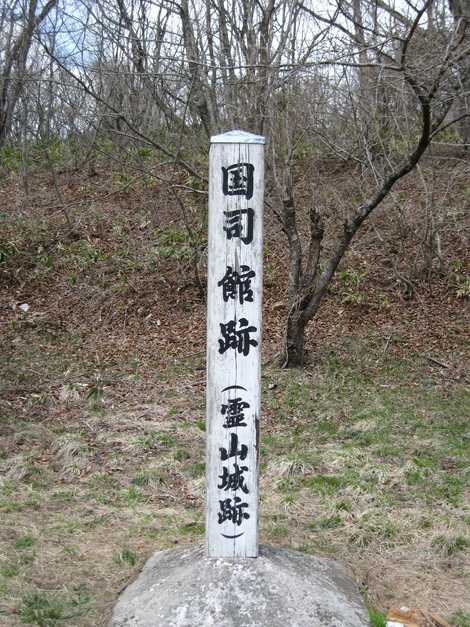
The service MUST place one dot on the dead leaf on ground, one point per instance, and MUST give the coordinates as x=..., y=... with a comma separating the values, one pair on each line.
x=411, y=617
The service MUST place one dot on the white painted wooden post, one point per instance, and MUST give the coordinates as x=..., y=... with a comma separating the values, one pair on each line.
x=235, y=279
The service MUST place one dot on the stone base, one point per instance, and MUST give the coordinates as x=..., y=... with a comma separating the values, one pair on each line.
x=280, y=588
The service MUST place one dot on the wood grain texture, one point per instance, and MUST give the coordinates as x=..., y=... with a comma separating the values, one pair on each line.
x=237, y=535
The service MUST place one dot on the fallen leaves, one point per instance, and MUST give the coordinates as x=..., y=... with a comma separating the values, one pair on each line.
x=411, y=617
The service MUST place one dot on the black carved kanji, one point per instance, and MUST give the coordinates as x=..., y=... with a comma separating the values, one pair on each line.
x=238, y=339
x=233, y=412
x=237, y=283
x=233, y=480
x=233, y=511
x=234, y=451
x=236, y=226
x=237, y=180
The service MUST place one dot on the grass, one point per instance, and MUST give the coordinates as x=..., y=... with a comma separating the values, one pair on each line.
x=373, y=466
x=45, y=610
x=453, y=545
x=377, y=619
x=364, y=458
x=26, y=542
x=461, y=619
x=364, y=454
x=125, y=557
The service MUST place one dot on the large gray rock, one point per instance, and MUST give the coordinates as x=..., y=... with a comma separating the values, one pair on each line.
x=281, y=588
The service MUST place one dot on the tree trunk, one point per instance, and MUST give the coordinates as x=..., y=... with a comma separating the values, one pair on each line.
x=461, y=12
x=295, y=341
x=13, y=75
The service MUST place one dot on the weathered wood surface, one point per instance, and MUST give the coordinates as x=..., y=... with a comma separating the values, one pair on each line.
x=234, y=352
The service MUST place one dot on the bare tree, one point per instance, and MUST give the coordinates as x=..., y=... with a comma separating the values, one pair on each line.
x=461, y=12
x=13, y=73
x=428, y=75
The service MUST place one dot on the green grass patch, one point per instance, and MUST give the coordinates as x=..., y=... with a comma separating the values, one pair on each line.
x=45, y=609
x=26, y=542
x=155, y=440
x=125, y=557
x=377, y=619
x=9, y=569
x=460, y=619
x=326, y=485
x=451, y=545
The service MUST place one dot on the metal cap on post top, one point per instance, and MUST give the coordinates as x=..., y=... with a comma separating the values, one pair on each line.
x=237, y=137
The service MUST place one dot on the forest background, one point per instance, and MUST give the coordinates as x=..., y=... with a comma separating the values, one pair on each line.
x=106, y=111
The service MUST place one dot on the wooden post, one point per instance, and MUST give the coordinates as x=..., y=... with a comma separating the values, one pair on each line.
x=235, y=279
